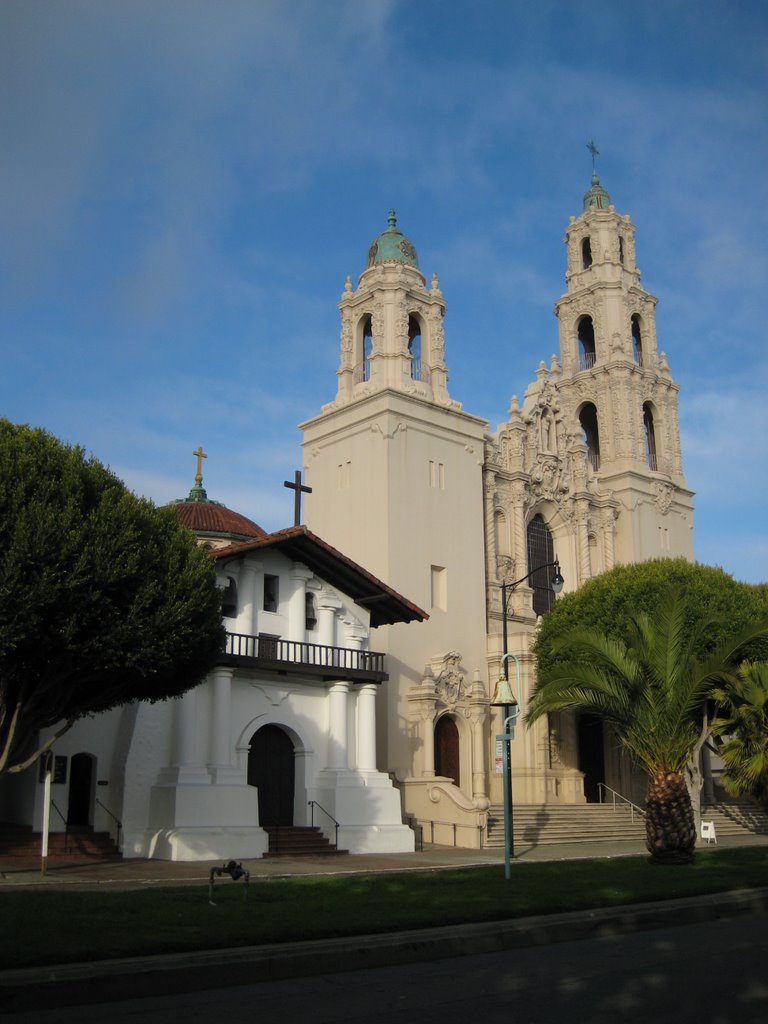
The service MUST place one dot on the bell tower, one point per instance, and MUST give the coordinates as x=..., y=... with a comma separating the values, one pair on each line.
x=396, y=470
x=618, y=386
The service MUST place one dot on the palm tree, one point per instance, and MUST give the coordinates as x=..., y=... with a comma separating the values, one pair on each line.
x=652, y=689
x=742, y=724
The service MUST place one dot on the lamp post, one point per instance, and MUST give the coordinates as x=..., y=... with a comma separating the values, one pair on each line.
x=504, y=697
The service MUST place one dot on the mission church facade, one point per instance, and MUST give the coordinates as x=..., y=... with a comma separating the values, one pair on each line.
x=363, y=649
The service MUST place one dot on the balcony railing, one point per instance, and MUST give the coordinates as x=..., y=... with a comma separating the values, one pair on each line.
x=301, y=658
x=586, y=360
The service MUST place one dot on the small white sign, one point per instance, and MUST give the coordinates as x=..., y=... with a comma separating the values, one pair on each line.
x=498, y=766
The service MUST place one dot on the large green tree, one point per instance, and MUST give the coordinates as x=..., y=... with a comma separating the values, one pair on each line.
x=104, y=599
x=610, y=602
x=652, y=686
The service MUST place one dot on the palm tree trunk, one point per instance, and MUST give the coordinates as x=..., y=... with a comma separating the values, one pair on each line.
x=670, y=830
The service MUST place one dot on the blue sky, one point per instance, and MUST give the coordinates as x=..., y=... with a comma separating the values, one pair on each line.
x=185, y=185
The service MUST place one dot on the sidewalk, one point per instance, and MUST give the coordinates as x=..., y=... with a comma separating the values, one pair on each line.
x=128, y=874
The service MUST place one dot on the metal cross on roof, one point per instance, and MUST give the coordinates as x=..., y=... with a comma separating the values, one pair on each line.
x=594, y=151
x=298, y=488
x=200, y=456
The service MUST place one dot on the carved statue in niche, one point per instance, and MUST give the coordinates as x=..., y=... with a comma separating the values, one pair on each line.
x=449, y=682
x=548, y=433
x=664, y=494
x=547, y=478
x=346, y=338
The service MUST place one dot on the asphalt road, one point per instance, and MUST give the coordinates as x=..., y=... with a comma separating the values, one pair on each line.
x=715, y=973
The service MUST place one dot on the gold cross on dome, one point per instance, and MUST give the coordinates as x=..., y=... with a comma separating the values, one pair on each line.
x=200, y=456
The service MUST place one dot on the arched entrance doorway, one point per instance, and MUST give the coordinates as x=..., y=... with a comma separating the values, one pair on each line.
x=81, y=774
x=271, y=770
x=447, y=749
x=591, y=756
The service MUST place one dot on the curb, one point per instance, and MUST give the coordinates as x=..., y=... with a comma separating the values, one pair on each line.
x=138, y=977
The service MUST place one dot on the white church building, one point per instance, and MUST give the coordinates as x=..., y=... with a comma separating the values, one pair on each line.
x=343, y=704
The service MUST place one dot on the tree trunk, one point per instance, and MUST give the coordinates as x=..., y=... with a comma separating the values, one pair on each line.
x=670, y=830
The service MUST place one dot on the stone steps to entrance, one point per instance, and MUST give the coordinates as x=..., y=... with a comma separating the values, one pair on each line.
x=299, y=841
x=735, y=816
x=78, y=844
x=546, y=824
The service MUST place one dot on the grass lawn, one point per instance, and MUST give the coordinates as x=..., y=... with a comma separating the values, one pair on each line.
x=48, y=926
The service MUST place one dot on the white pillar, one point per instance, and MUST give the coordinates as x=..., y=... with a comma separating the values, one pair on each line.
x=221, y=722
x=337, y=726
x=366, y=728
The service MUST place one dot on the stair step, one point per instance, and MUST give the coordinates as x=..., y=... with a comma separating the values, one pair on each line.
x=20, y=843
x=299, y=841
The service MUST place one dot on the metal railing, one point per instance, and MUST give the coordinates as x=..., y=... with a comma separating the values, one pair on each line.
x=362, y=372
x=294, y=652
x=587, y=360
x=313, y=804
x=603, y=789
x=423, y=823
x=115, y=819
x=66, y=825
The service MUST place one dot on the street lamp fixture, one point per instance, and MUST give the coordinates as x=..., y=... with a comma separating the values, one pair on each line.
x=504, y=697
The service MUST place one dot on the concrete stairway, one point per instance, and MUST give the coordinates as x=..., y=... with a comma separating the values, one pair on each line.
x=297, y=841
x=542, y=824
x=736, y=816
x=20, y=845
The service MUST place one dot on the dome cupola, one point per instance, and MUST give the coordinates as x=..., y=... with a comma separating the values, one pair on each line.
x=392, y=247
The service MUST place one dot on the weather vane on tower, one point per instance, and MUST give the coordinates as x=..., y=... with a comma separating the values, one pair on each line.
x=595, y=153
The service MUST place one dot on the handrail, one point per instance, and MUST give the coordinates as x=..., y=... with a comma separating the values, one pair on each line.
x=114, y=818
x=601, y=786
x=66, y=826
x=454, y=824
x=269, y=648
x=313, y=804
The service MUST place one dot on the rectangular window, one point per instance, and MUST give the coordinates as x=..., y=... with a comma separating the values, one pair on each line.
x=271, y=592
x=439, y=588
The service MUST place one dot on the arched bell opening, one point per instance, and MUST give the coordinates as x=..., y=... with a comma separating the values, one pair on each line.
x=585, y=333
x=590, y=433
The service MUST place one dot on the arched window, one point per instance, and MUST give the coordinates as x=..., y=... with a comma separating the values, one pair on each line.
x=637, y=340
x=447, y=750
x=621, y=249
x=586, y=254
x=414, y=347
x=650, y=436
x=590, y=433
x=586, y=335
x=367, y=347
x=541, y=555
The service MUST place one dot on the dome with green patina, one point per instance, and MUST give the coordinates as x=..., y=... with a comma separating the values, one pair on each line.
x=596, y=198
x=392, y=247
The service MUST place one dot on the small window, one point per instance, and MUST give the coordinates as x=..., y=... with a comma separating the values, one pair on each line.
x=586, y=254
x=271, y=592
x=439, y=587
x=621, y=249
x=310, y=612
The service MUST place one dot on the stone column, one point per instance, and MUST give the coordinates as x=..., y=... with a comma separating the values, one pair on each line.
x=221, y=723
x=337, y=758
x=366, y=728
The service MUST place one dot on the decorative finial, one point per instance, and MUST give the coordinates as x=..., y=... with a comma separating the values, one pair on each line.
x=392, y=220
x=199, y=474
x=348, y=284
